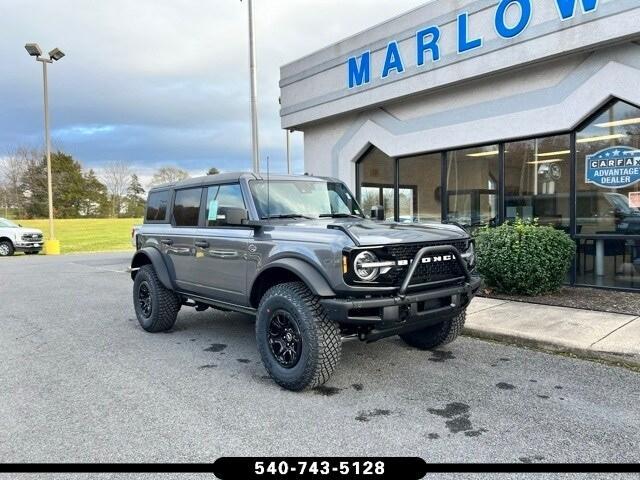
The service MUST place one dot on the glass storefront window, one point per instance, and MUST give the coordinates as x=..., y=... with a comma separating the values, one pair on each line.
x=472, y=186
x=608, y=263
x=608, y=173
x=376, y=174
x=420, y=189
x=538, y=180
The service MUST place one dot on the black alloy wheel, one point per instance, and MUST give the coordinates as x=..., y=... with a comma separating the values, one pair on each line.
x=144, y=299
x=285, y=340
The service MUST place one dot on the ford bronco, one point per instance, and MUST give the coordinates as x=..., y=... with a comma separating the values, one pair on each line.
x=298, y=253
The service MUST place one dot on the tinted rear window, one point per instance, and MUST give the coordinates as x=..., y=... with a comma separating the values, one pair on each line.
x=157, y=206
x=186, y=207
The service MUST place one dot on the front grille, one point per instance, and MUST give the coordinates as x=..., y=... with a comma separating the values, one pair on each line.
x=426, y=272
x=32, y=237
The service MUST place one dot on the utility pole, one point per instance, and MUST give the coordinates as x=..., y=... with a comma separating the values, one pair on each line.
x=52, y=246
x=47, y=143
x=254, y=91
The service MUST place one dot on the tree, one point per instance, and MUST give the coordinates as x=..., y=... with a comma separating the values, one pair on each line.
x=213, y=171
x=96, y=202
x=116, y=176
x=169, y=175
x=68, y=185
x=4, y=199
x=135, y=201
x=12, y=169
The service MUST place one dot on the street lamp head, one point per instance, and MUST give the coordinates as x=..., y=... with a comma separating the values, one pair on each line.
x=33, y=49
x=56, y=54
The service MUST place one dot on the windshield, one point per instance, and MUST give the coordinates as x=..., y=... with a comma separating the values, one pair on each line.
x=7, y=224
x=303, y=199
x=622, y=203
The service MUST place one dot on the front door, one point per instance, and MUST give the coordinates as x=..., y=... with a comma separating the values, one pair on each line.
x=220, y=265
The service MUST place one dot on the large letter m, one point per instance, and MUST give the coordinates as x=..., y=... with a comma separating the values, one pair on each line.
x=359, y=72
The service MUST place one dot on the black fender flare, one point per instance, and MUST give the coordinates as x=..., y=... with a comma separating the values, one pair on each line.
x=150, y=255
x=309, y=274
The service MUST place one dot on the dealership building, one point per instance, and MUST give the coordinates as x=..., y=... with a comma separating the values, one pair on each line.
x=482, y=111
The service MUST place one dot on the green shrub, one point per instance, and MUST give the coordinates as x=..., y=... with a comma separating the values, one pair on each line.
x=524, y=258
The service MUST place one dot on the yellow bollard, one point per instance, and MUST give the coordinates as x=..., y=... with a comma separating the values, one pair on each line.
x=52, y=247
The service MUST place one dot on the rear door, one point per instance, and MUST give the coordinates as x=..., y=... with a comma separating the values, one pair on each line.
x=178, y=245
x=221, y=261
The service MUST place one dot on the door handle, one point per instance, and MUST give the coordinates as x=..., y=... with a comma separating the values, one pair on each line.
x=223, y=254
x=166, y=241
x=202, y=244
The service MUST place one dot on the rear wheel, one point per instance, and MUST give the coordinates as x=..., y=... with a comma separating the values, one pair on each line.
x=6, y=248
x=156, y=306
x=300, y=347
x=436, y=335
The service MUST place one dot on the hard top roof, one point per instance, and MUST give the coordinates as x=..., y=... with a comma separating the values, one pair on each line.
x=235, y=177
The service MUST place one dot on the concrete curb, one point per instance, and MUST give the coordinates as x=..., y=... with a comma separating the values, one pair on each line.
x=628, y=360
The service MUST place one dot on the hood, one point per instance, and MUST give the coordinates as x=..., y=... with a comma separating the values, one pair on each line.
x=28, y=231
x=369, y=233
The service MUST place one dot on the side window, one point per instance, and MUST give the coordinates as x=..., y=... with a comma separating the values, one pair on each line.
x=186, y=208
x=221, y=197
x=157, y=206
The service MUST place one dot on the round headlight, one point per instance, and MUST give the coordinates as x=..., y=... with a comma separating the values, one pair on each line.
x=362, y=267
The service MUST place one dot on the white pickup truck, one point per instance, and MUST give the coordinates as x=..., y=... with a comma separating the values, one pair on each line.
x=16, y=238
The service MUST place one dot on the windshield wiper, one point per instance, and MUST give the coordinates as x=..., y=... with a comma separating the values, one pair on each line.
x=289, y=215
x=339, y=215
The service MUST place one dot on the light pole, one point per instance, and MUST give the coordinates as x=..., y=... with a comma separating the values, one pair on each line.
x=254, y=91
x=52, y=246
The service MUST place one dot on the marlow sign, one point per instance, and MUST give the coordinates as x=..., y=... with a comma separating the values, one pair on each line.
x=428, y=39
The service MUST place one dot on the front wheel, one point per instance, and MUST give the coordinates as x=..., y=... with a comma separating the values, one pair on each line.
x=6, y=248
x=436, y=335
x=300, y=347
x=156, y=306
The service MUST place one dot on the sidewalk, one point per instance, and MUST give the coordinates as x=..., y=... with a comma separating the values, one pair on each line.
x=585, y=333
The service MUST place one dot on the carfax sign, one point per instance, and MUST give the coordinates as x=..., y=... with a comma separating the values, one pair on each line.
x=615, y=167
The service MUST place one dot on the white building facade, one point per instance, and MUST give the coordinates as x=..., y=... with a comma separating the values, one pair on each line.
x=481, y=111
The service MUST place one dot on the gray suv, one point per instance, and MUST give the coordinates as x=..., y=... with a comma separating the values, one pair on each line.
x=298, y=253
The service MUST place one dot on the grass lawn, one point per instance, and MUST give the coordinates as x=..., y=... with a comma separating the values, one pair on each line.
x=88, y=234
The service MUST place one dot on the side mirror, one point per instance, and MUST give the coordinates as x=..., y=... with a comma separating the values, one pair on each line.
x=377, y=213
x=234, y=217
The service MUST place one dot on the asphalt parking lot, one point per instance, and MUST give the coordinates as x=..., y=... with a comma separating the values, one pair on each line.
x=81, y=382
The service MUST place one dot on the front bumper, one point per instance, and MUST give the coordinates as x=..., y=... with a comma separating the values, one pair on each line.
x=440, y=302
x=28, y=246
x=387, y=316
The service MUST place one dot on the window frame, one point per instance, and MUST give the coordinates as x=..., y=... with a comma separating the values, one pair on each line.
x=203, y=206
x=574, y=178
x=200, y=212
x=169, y=211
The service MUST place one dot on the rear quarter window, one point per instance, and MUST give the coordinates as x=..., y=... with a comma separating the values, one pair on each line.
x=157, y=206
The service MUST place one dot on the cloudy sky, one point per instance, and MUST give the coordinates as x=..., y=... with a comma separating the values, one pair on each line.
x=162, y=82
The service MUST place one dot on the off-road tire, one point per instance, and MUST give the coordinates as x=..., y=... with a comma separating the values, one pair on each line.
x=436, y=335
x=165, y=304
x=321, y=339
x=6, y=248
